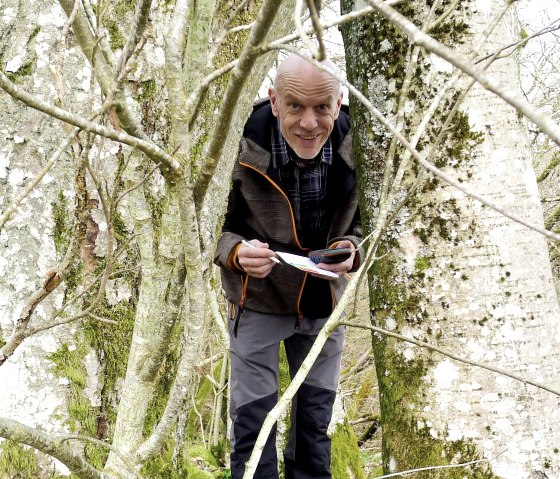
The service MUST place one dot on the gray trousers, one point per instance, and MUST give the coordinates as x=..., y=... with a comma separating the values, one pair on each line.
x=254, y=391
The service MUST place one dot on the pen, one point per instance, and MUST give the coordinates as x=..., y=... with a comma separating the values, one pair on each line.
x=251, y=245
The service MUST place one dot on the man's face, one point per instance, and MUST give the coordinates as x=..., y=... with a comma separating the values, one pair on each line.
x=306, y=105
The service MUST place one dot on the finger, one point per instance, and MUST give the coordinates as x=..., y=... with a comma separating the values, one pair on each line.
x=259, y=271
x=258, y=244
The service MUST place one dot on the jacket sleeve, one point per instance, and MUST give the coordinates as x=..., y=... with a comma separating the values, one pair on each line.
x=232, y=230
x=354, y=235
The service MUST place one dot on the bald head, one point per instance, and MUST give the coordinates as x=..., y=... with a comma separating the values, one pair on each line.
x=297, y=66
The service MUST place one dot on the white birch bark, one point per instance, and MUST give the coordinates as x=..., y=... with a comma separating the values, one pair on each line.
x=175, y=250
x=469, y=280
x=509, y=283
x=30, y=35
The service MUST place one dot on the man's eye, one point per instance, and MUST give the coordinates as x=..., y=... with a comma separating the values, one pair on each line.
x=323, y=107
x=295, y=106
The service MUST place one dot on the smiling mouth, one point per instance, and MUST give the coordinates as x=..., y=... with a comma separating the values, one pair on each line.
x=304, y=137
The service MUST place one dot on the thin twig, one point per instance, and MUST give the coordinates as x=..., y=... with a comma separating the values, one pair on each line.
x=102, y=320
x=225, y=28
x=171, y=165
x=416, y=155
x=98, y=442
x=451, y=355
x=69, y=22
x=431, y=468
x=298, y=10
x=137, y=34
x=137, y=185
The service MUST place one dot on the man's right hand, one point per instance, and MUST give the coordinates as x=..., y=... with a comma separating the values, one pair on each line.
x=256, y=261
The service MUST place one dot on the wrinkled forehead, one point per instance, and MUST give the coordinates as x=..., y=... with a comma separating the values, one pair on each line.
x=307, y=83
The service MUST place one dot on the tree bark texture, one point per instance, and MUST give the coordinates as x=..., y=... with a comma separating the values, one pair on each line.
x=456, y=274
x=112, y=381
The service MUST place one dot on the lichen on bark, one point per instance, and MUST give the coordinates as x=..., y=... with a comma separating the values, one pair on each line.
x=399, y=80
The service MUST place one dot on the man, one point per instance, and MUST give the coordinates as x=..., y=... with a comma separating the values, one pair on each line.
x=294, y=190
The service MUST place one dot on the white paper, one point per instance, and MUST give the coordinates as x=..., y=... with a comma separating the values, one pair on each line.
x=305, y=264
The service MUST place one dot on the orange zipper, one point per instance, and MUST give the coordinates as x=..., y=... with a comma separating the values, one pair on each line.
x=239, y=312
x=294, y=230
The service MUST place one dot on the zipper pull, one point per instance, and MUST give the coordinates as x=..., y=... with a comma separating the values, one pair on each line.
x=299, y=319
x=236, y=318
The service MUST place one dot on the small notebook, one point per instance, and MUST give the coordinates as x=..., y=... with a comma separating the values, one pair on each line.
x=304, y=263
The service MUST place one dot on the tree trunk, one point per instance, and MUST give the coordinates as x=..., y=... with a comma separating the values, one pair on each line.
x=75, y=379
x=453, y=273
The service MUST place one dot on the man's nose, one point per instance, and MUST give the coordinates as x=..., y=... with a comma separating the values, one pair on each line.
x=308, y=119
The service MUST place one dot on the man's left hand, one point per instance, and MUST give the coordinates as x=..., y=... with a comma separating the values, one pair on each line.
x=339, y=268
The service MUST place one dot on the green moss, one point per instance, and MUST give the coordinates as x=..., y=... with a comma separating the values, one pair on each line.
x=422, y=264
x=111, y=343
x=23, y=71
x=116, y=37
x=554, y=162
x=165, y=381
x=203, y=454
x=166, y=465
x=17, y=461
x=2, y=340
x=62, y=226
x=73, y=278
x=35, y=32
x=345, y=456
x=123, y=8
x=145, y=90
x=68, y=362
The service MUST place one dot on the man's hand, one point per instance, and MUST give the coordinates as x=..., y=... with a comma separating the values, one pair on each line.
x=340, y=268
x=256, y=261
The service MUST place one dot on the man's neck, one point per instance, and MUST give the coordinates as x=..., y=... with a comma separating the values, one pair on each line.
x=301, y=161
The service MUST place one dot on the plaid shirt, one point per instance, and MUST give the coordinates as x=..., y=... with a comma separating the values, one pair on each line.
x=304, y=183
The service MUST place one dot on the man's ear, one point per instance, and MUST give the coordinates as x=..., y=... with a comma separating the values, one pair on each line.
x=273, y=100
x=338, y=103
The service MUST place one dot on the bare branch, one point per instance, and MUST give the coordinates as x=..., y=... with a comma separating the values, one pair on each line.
x=54, y=323
x=454, y=356
x=541, y=120
x=141, y=17
x=70, y=21
x=103, y=70
x=103, y=320
x=106, y=445
x=171, y=166
x=197, y=96
x=54, y=279
x=174, y=54
x=262, y=24
x=137, y=185
x=349, y=17
x=443, y=16
x=319, y=53
x=225, y=27
x=52, y=445
x=435, y=468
